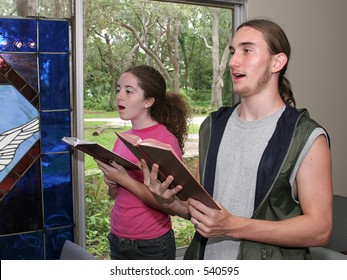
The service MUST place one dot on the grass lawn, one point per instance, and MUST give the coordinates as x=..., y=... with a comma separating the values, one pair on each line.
x=100, y=115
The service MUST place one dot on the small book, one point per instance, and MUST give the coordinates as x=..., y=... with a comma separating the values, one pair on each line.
x=154, y=151
x=99, y=152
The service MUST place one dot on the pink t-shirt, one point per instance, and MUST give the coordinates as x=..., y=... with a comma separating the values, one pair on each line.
x=131, y=218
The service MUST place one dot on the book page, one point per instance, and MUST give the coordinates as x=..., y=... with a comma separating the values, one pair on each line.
x=156, y=143
x=73, y=141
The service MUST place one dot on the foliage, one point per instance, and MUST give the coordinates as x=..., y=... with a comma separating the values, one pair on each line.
x=200, y=95
x=184, y=231
x=97, y=98
x=98, y=209
x=170, y=37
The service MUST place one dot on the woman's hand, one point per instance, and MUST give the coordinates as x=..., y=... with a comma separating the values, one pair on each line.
x=112, y=187
x=113, y=173
x=111, y=184
x=163, y=192
x=114, y=176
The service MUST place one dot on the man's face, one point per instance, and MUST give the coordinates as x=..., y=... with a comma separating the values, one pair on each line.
x=250, y=64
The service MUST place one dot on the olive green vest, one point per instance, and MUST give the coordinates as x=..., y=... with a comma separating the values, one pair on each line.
x=276, y=201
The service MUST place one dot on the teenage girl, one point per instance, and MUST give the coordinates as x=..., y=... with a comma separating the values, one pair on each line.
x=141, y=227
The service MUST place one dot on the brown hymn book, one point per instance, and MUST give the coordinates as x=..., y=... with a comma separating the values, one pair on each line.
x=154, y=151
x=99, y=152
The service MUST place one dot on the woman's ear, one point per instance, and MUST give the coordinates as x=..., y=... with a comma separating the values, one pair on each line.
x=280, y=60
x=149, y=102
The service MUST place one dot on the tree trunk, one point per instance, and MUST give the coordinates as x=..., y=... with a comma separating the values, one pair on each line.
x=26, y=7
x=111, y=102
x=173, y=52
x=148, y=52
x=217, y=81
x=111, y=68
x=219, y=64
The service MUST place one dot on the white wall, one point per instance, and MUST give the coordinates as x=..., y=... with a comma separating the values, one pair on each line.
x=318, y=66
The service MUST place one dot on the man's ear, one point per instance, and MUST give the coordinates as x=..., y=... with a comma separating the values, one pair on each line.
x=279, y=61
x=149, y=102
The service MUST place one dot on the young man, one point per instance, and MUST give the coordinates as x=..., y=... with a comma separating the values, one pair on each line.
x=268, y=164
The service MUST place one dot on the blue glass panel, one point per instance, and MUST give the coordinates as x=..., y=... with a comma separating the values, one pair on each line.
x=54, y=81
x=41, y=200
x=55, y=240
x=54, y=126
x=19, y=126
x=25, y=65
x=22, y=247
x=57, y=190
x=18, y=35
x=54, y=36
x=21, y=208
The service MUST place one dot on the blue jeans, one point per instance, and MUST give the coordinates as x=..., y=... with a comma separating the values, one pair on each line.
x=160, y=248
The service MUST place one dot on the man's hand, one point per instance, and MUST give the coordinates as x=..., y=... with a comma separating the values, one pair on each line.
x=211, y=222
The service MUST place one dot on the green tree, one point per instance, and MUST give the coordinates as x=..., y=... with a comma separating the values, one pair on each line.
x=184, y=42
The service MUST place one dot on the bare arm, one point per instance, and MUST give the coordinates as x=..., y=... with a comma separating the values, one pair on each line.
x=112, y=188
x=118, y=175
x=313, y=228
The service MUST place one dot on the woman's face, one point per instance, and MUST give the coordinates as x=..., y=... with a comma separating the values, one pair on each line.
x=131, y=102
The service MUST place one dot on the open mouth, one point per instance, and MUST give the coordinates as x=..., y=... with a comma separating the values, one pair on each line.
x=120, y=108
x=238, y=75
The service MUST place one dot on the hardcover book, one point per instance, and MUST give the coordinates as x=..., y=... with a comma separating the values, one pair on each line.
x=154, y=151
x=99, y=152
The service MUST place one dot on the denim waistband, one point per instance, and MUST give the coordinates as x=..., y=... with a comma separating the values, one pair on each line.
x=170, y=234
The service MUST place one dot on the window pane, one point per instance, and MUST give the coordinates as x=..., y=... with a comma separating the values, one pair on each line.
x=22, y=247
x=18, y=35
x=55, y=240
x=57, y=190
x=55, y=93
x=25, y=65
x=21, y=208
x=54, y=126
x=54, y=36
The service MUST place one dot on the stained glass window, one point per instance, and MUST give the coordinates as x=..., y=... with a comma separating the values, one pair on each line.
x=36, y=195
